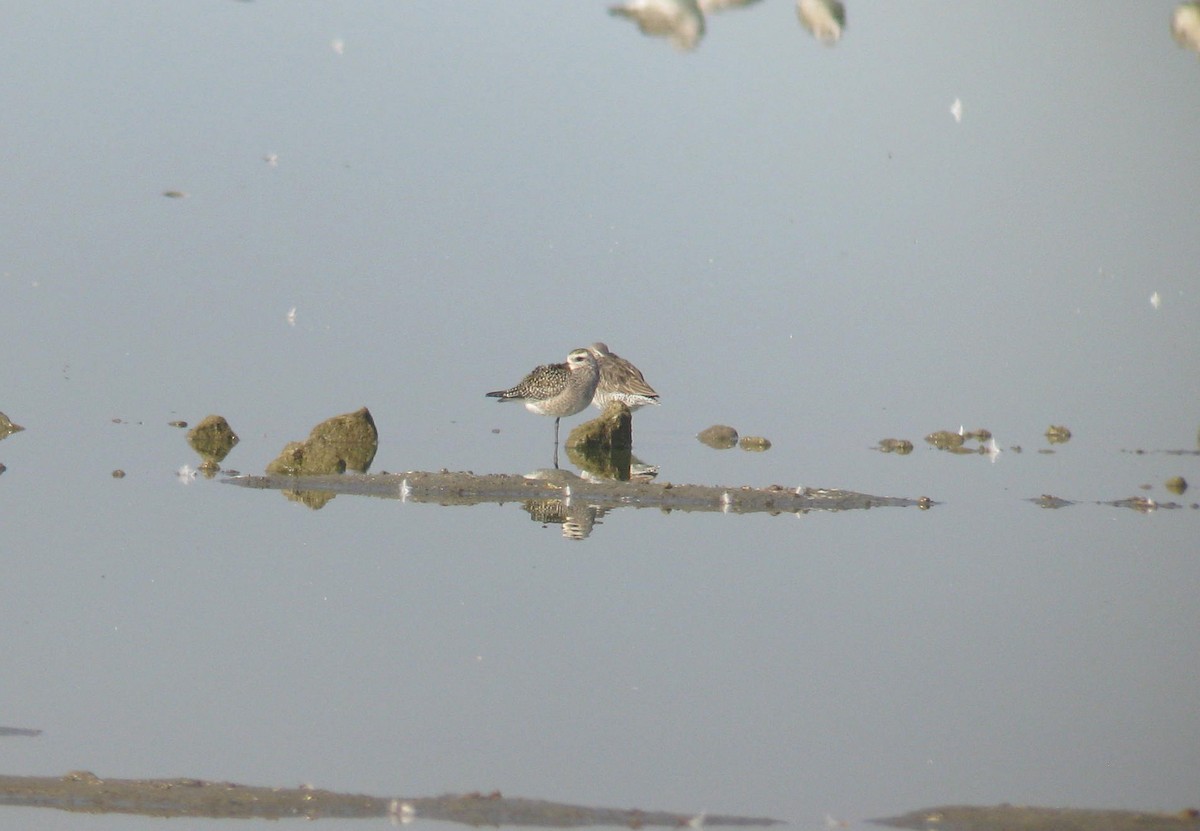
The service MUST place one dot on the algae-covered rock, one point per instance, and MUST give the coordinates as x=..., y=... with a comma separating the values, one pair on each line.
x=212, y=438
x=300, y=458
x=344, y=442
x=945, y=439
x=351, y=437
x=613, y=429
x=603, y=445
x=718, y=436
x=1058, y=434
x=755, y=444
x=290, y=461
x=7, y=428
x=901, y=447
x=613, y=463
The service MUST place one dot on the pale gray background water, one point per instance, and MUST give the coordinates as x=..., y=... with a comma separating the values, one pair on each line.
x=797, y=240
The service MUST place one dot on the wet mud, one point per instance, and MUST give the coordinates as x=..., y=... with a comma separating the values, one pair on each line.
x=1020, y=818
x=466, y=488
x=1141, y=504
x=84, y=792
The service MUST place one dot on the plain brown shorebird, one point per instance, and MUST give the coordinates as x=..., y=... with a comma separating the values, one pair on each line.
x=620, y=381
x=557, y=389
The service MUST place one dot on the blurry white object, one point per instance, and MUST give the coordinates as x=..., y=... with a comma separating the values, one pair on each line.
x=679, y=21
x=825, y=19
x=1185, y=26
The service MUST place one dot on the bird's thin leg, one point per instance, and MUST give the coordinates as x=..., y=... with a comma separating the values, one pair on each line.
x=556, y=444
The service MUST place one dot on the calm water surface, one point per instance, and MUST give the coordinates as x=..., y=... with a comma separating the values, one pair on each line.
x=798, y=240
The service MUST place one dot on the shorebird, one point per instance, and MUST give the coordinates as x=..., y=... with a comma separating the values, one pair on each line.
x=620, y=381
x=557, y=389
x=679, y=21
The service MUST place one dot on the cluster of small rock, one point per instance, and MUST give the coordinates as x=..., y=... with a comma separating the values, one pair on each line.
x=723, y=437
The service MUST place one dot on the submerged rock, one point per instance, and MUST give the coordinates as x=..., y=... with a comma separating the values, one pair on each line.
x=212, y=438
x=603, y=446
x=7, y=428
x=755, y=444
x=1057, y=434
x=719, y=436
x=945, y=439
x=613, y=429
x=1049, y=500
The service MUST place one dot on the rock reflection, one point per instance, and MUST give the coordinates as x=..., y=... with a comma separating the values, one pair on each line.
x=718, y=436
x=344, y=442
x=1058, y=434
x=824, y=19
x=679, y=21
x=955, y=442
x=212, y=439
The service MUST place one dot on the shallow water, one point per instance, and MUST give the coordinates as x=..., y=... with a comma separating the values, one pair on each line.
x=797, y=240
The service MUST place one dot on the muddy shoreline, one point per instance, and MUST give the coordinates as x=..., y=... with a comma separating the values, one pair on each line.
x=85, y=792
x=1027, y=818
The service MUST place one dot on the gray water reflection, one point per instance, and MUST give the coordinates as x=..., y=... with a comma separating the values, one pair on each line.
x=399, y=203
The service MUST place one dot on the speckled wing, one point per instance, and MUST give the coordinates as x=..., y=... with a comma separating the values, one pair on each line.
x=545, y=381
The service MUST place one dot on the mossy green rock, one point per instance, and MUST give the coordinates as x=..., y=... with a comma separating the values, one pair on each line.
x=719, y=436
x=212, y=438
x=613, y=430
x=7, y=428
x=344, y=442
